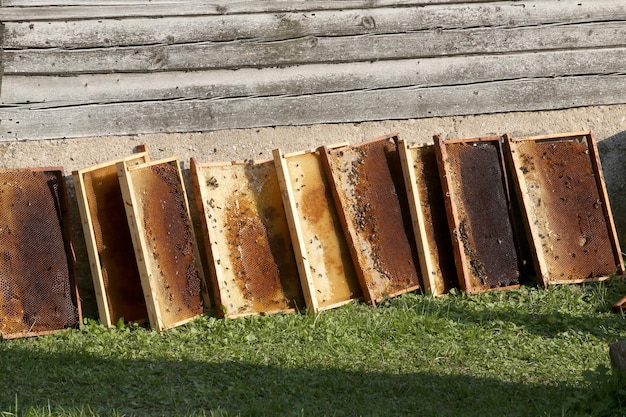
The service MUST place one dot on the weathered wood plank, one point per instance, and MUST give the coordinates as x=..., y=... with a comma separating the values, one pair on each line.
x=250, y=53
x=93, y=33
x=53, y=91
x=1, y=51
x=399, y=103
x=26, y=10
x=261, y=5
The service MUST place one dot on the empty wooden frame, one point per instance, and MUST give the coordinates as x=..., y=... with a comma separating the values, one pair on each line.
x=428, y=213
x=163, y=239
x=252, y=261
x=369, y=192
x=475, y=186
x=326, y=272
x=566, y=208
x=109, y=245
x=38, y=291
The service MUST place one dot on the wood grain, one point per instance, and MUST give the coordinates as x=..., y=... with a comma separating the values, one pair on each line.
x=398, y=103
x=308, y=50
x=30, y=92
x=72, y=68
x=175, y=30
x=27, y=10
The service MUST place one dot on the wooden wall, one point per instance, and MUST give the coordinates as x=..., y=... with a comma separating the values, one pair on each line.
x=108, y=67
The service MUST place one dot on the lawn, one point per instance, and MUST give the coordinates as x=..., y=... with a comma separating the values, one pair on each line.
x=527, y=352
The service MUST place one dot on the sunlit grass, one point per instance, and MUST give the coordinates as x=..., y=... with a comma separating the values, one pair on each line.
x=520, y=352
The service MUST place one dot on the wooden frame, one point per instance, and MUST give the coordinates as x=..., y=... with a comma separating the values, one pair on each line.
x=368, y=188
x=114, y=271
x=620, y=305
x=326, y=272
x=164, y=241
x=480, y=218
x=567, y=213
x=245, y=229
x=38, y=289
x=430, y=226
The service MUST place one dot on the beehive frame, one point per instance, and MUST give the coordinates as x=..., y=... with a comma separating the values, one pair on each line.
x=164, y=241
x=38, y=289
x=245, y=229
x=430, y=225
x=326, y=272
x=620, y=305
x=369, y=192
x=112, y=263
x=478, y=206
x=567, y=214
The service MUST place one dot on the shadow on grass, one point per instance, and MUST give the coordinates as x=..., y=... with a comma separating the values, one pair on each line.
x=579, y=308
x=546, y=324
x=165, y=387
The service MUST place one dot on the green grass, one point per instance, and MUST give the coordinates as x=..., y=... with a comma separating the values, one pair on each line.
x=526, y=352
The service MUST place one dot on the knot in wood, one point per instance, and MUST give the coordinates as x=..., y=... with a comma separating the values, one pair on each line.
x=368, y=22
